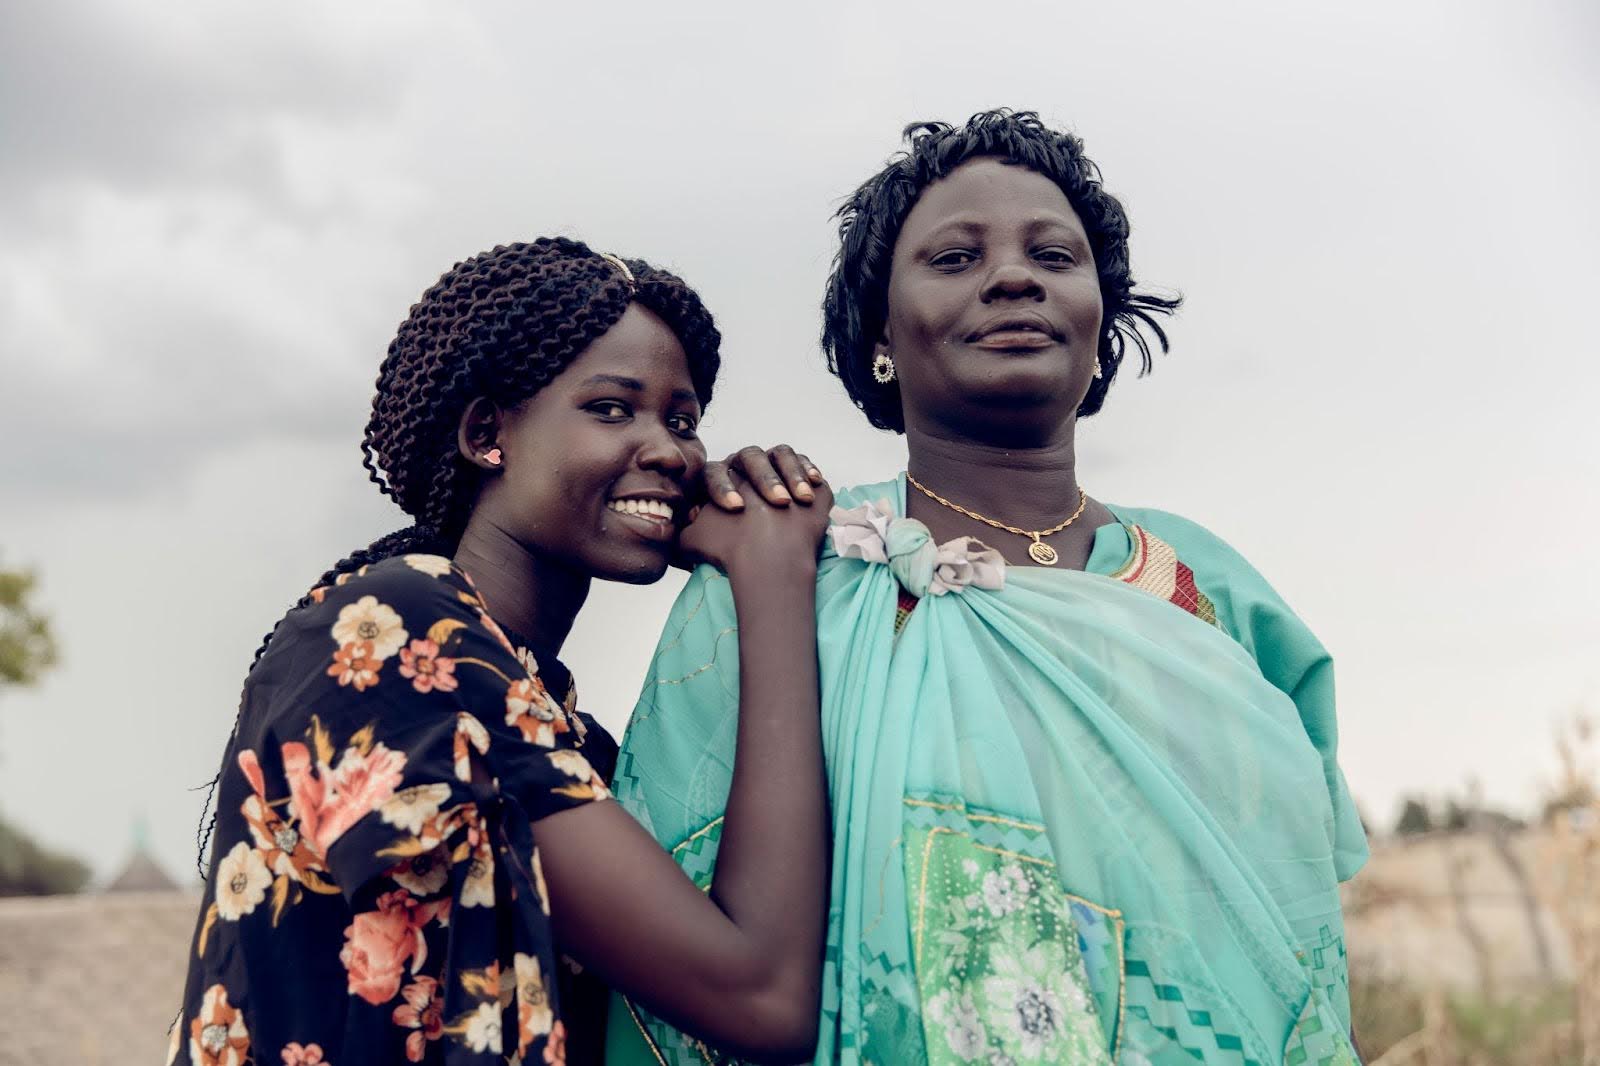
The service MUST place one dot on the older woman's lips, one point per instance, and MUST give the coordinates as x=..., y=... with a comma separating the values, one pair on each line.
x=1014, y=339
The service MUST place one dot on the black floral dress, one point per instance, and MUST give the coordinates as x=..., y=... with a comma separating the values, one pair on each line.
x=375, y=892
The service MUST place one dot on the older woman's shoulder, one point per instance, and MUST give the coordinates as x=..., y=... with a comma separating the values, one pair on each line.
x=1188, y=538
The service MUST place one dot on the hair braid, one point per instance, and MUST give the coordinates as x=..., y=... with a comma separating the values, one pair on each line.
x=501, y=325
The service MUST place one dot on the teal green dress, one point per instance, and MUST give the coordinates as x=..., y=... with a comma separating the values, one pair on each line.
x=1081, y=817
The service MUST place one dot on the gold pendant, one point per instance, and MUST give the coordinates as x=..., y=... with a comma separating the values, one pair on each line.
x=1042, y=553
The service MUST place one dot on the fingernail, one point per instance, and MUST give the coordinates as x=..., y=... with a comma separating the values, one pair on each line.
x=733, y=499
x=814, y=474
x=781, y=493
x=804, y=492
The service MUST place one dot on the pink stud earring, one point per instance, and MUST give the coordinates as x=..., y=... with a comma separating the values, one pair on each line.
x=492, y=456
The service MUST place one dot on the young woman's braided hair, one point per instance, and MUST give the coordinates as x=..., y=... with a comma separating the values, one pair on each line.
x=502, y=325
x=855, y=304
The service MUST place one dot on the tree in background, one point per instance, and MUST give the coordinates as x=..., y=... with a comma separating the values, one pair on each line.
x=27, y=650
x=1415, y=817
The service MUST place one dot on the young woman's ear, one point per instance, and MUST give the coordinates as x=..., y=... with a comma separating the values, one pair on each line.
x=478, y=434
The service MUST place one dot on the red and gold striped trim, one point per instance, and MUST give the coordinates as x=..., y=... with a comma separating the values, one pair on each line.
x=1156, y=568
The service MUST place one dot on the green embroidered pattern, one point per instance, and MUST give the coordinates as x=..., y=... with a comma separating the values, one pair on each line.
x=1000, y=967
x=1318, y=1040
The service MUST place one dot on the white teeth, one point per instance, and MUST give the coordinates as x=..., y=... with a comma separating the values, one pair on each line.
x=650, y=508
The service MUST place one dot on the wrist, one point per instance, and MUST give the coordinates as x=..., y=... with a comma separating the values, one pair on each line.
x=771, y=568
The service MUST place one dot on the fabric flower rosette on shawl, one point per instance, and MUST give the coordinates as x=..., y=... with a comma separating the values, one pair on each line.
x=1071, y=820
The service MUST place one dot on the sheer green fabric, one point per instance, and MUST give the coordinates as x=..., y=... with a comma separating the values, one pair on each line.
x=1073, y=822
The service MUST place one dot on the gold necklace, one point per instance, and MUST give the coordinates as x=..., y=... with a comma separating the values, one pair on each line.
x=1038, y=551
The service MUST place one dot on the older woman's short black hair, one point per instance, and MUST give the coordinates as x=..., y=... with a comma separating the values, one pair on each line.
x=855, y=305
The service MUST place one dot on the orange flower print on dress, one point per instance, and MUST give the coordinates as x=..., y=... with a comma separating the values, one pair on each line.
x=355, y=664
x=328, y=801
x=423, y=1010
x=367, y=621
x=480, y=1030
x=217, y=1036
x=530, y=708
x=424, y=874
x=470, y=737
x=413, y=808
x=427, y=669
x=296, y=1054
x=241, y=883
x=574, y=765
x=282, y=848
x=477, y=890
x=432, y=565
x=555, y=1049
x=379, y=943
x=534, y=1015
x=495, y=631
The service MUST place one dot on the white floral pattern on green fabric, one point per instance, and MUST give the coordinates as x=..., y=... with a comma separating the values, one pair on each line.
x=999, y=971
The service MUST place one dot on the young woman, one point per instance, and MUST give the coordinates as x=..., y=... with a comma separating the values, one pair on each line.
x=412, y=825
x=1087, y=806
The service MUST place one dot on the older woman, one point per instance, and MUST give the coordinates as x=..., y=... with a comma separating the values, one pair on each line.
x=1082, y=758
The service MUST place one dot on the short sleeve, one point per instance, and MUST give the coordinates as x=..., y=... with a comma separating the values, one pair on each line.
x=412, y=722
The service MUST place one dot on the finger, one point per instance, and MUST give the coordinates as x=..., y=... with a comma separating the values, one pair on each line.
x=812, y=473
x=792, y=471
x=758, y=467
x=720, y=488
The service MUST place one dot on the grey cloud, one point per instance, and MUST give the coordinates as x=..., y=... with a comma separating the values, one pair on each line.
x=102, y=92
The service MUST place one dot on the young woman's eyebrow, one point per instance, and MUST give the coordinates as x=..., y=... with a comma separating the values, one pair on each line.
x=616, y=381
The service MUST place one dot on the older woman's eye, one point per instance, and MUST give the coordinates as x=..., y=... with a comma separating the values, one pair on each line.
x=683, y=425
x=1055, y=256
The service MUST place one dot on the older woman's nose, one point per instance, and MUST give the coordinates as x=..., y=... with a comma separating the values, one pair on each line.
x=1012, y=281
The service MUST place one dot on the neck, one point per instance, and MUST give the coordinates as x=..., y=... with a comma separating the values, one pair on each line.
x=530, y=593
x=1032, y=488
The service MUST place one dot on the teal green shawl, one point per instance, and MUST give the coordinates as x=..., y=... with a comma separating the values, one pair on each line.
x=1088, y=817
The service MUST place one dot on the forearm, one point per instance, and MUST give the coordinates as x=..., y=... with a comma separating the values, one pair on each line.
x=772, y=863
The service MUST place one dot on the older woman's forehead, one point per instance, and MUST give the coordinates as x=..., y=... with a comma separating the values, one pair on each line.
x=986, y=194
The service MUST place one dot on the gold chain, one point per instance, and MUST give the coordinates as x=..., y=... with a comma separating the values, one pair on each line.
x=1039, y=551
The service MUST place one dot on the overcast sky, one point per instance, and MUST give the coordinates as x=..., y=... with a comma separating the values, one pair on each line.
x=1382, y=388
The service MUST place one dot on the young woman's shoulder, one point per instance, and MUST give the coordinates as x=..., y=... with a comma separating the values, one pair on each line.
x=432, y=580
x=398, y=628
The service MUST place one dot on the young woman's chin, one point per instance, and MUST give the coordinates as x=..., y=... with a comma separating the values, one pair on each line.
x=635, y=567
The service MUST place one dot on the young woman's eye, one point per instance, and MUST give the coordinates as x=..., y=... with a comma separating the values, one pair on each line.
x=610, y=410
x=683, y=425
x=953, y=259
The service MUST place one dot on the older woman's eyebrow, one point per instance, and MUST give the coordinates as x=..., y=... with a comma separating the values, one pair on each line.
x=975, y=227
x=1040, y=223
x=956, y=227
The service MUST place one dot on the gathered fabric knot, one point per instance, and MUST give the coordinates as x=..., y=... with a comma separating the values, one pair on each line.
x=873, y=533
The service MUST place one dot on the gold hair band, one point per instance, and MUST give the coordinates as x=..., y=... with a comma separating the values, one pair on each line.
x=622, y=268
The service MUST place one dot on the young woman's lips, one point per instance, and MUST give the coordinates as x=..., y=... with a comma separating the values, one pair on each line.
x=654, y=527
